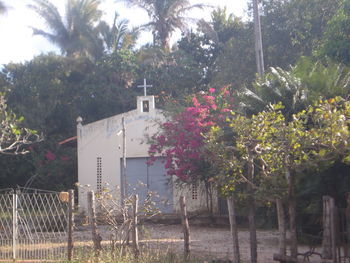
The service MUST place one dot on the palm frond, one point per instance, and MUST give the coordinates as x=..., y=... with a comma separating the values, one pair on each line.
x=75, y=32
x=166, y=16
x=51, y=37
x=51, y=16
x=208, y=30
x=189, y=8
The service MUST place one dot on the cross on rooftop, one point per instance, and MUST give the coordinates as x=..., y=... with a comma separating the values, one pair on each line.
x=145, y=86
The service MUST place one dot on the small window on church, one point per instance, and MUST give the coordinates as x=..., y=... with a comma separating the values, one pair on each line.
x=99, y=175
x=145, y=106
x=194, y=191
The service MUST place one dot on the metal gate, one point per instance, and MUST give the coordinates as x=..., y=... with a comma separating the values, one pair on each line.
x=33, y=225
x=151, y=178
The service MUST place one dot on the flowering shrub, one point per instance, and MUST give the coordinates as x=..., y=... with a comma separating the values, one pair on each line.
x=50, y=156
x=181, y=139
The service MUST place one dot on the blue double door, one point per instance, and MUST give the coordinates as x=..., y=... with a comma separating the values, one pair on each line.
x=144, y=179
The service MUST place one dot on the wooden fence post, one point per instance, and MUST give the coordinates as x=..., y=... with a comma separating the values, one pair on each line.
x=96, y=238
x=251, y=207
x=293, y=238
x=186, y=227
x=234, y=229
x=334, y=230
x=135, y=233
x=329, y=246
x=14, y=224
x=281, y=228
x=70, y=224
x=252, y=231
x=347, y=249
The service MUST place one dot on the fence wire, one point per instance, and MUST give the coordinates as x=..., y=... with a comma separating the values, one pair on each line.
x=33, y=225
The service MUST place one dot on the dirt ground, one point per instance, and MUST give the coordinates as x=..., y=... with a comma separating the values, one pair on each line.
x=206, y=242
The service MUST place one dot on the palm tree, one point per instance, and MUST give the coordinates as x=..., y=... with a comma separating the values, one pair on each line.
x=278, y=85
x=117, y=36
x=166, y=16
x=75, y=33
x=298, y=87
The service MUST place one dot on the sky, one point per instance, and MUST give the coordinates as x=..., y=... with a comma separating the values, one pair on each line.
x=17, y=44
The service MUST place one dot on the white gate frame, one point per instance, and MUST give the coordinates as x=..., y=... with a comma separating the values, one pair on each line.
x=50, y=214
x=14, y=223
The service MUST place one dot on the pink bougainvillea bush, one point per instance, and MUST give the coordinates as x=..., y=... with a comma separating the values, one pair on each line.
x=181, y=139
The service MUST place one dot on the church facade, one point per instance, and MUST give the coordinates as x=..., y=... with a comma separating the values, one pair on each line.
x=105, y=144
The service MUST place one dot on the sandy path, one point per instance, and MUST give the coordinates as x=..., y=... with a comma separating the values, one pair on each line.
x=206, y=242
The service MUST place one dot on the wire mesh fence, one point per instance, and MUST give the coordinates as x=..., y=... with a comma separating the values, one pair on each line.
x=33, y=225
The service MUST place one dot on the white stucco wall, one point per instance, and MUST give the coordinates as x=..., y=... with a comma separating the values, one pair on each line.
x=104, y=139
x=198, y=204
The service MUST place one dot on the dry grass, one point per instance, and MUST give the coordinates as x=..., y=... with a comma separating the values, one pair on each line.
x=126, y=255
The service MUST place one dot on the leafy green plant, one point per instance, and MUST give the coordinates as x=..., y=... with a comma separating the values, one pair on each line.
x=13, y=137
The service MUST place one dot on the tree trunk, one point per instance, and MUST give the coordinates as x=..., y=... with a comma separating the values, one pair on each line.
x=258, y=39
x=70, y=243
x=96, y=238
x=251, y=214
x=123, y=175
x=292, y=216
x=186, y=227
x=252, y=232
x=211, y=200
x=135, y=233
x=209, y=197
x=348, y=225
x=281, y=228
x=329, y=229
x=234, y=229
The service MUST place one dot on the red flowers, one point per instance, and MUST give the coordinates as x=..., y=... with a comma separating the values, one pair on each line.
x=181, y=140
x=50, y=156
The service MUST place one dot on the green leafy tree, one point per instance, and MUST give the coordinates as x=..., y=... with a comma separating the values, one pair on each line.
x=234, y=58
x=280, y=150
x=240, y=165
x=336, y=40
x=222, y=50
x=174, y=75
x=63, y=88
x=316, y=136
x=14, y=139
x=291, y=29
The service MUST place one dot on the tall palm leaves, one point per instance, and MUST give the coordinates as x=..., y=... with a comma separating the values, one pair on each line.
x=117, y=36
x=278, y=85
x=166, y=16
x=304, y=83
x=75, y=33
x=325, y=78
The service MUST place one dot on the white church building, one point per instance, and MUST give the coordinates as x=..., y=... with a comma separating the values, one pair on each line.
x=101, y=153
